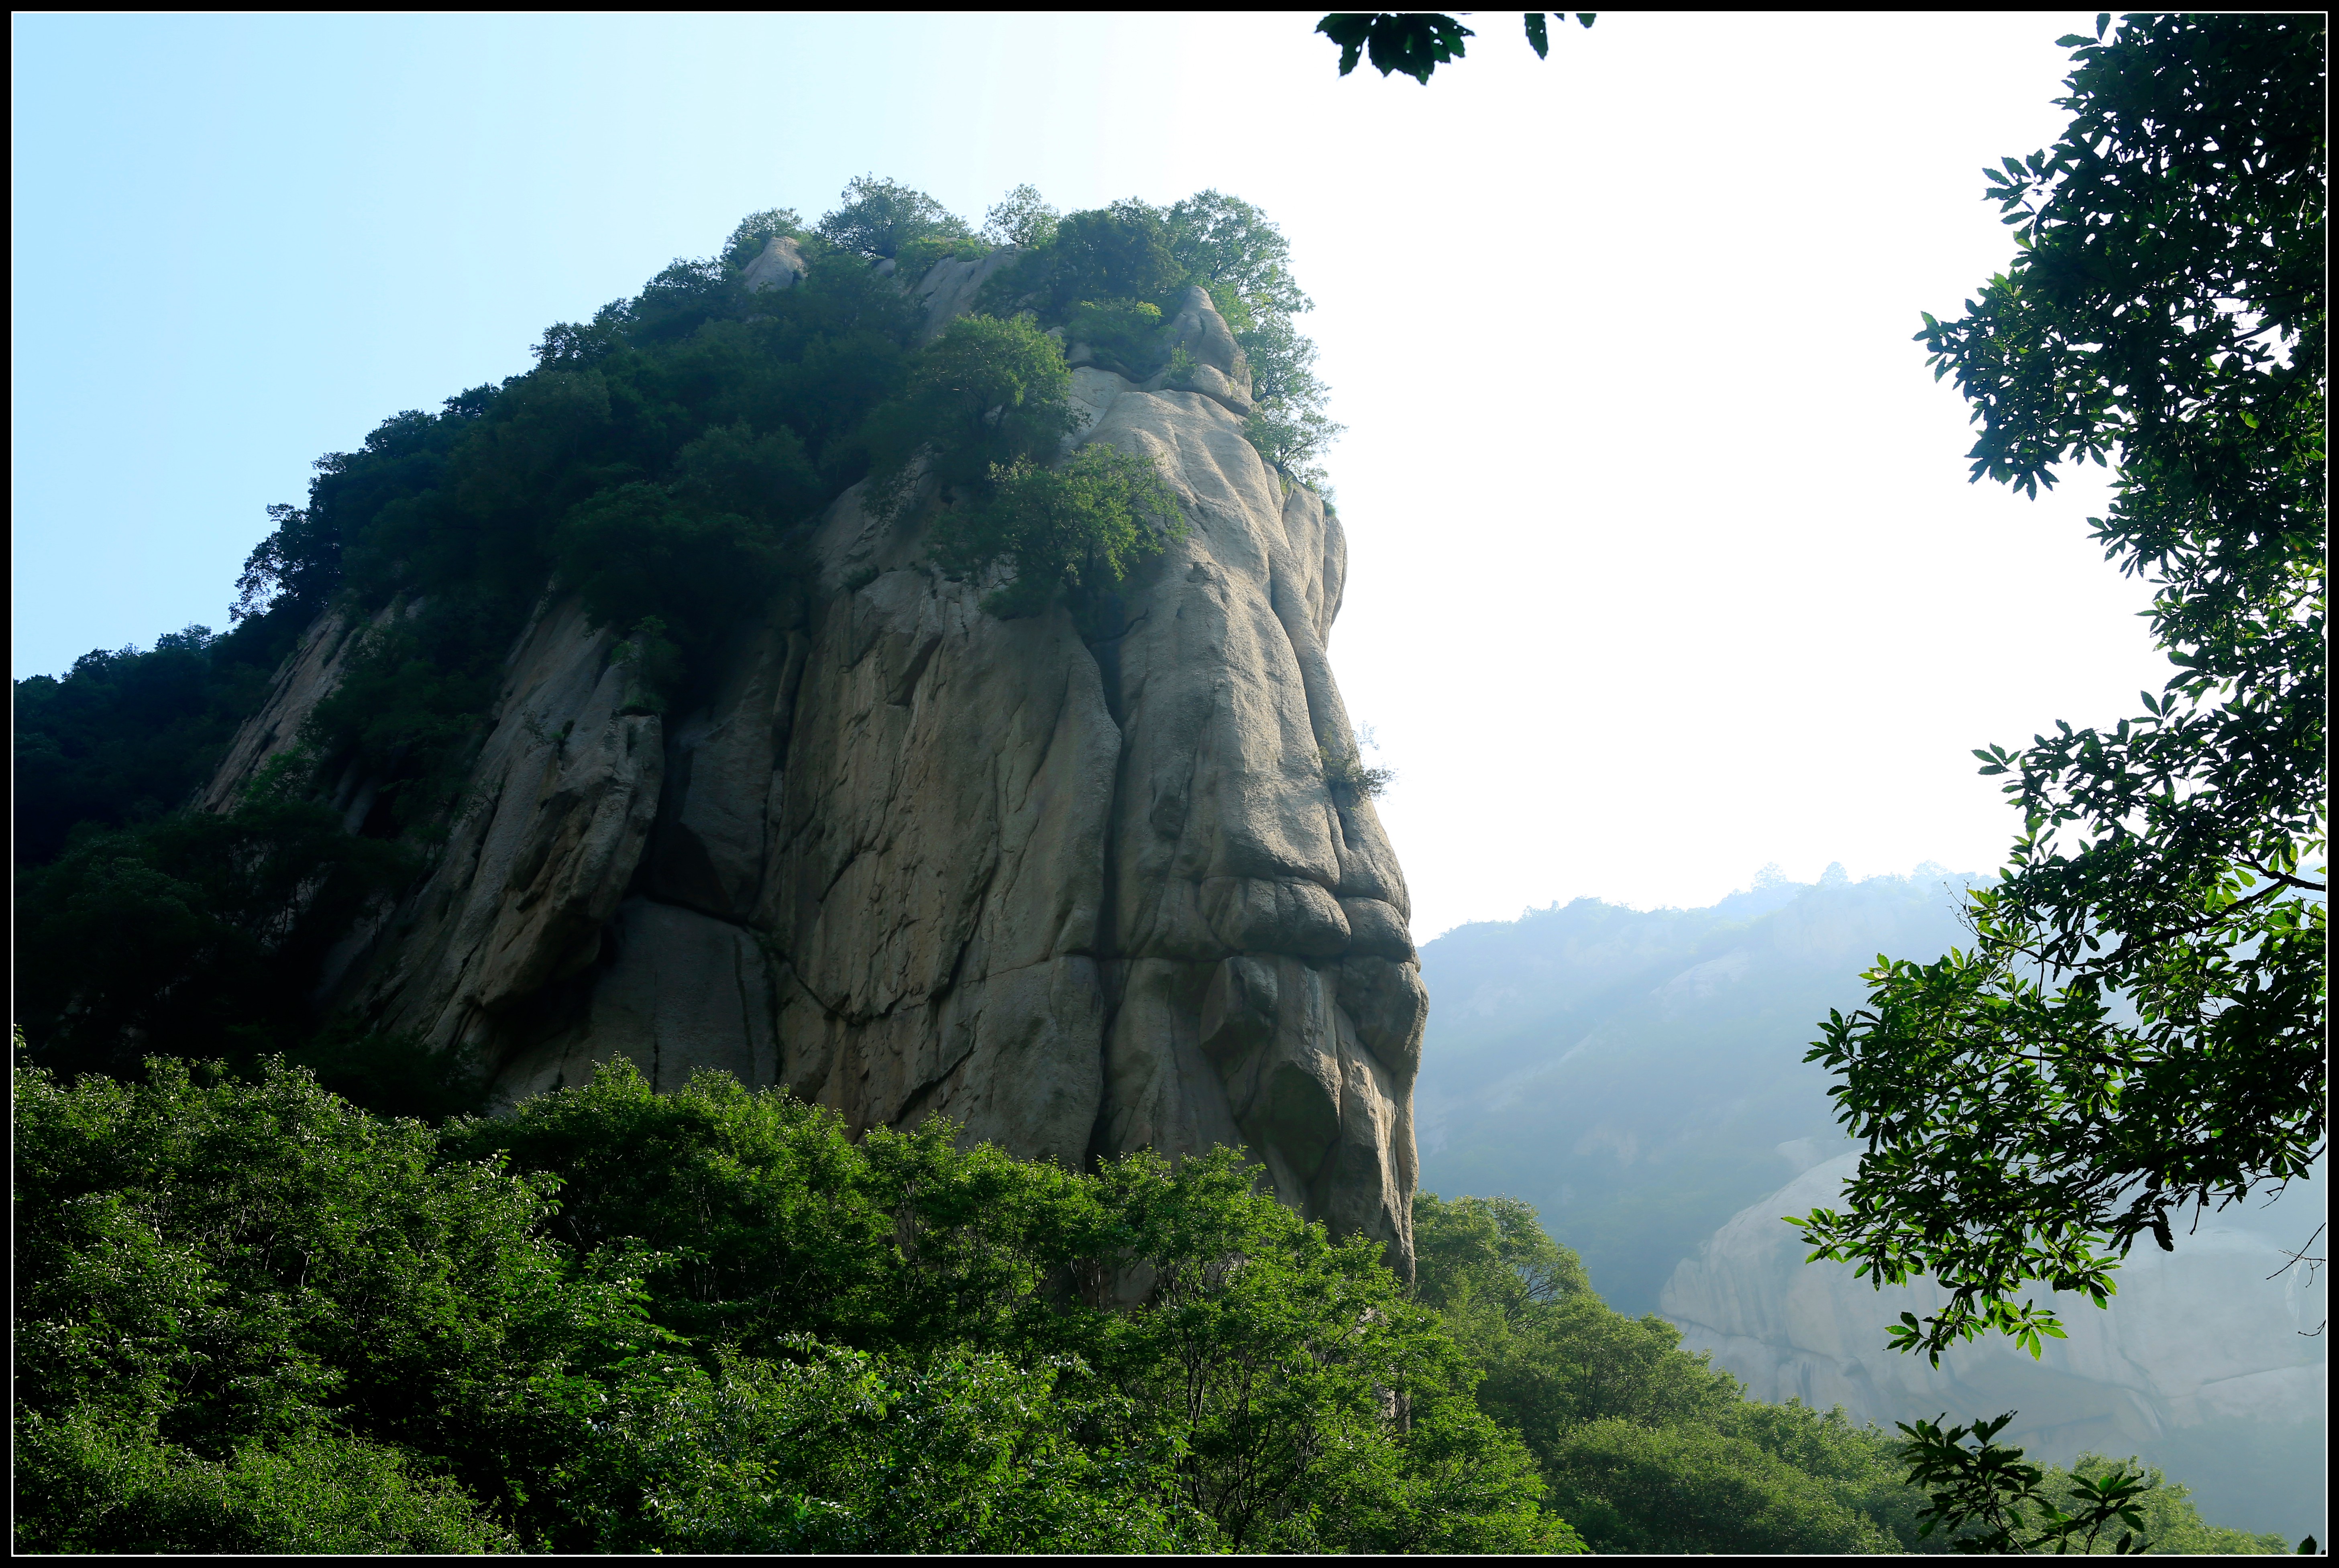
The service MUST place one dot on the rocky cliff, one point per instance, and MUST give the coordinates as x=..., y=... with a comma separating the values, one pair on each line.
x=1084, y=894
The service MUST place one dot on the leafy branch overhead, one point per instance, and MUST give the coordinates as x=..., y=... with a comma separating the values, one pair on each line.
x=2137, y=1027
x=1417, y=43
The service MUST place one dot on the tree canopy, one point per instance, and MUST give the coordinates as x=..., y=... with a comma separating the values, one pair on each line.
x=2138, y=1026
x=252, y=1317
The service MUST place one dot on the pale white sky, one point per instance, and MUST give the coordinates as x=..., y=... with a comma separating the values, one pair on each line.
x=1663, y=562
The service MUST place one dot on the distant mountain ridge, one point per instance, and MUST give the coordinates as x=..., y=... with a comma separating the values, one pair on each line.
x=1638, y=1075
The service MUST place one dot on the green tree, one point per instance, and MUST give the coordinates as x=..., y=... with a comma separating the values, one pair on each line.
x=757, y=230
x=197, y=934
x=1417, y=43
x=1022, y=217
x=1077, y=530
x=700, y=551
x=2000, y=1504
x=252, y=1317
x=1233, y=250
x=2137, y=1026
x=987, y=393
x=1190, y=1322
x=1647, y=1449
x=879, y=217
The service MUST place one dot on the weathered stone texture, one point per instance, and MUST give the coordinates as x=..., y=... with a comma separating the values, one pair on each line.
x=909, y=859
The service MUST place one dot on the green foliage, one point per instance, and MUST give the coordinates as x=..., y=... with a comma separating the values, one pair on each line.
x=1648, y=1449
x=196, y=934
x=2000, y=1504
x=847, y=1452
x=2171, y=1523
x=251, y=1317
x=1235, y=252
x=700, y=552
x=1350, y=776
x=125, y=737
x=758, y=229
x=917, y=256
x=1131, y=254
x=1077, y=530
x=653, y=666
x=1645, y=1448
x=407, y=714
x=987, y=393
x=1688, y=1489
x=1124, y=334
x=1287, y=423
x=879, y=217
x=1116, y=252
x=2138, y=1024
x=1020, y=218
x=1493, y=1251
x=231, y=1276
x=1417, y=43
x=89, y=1486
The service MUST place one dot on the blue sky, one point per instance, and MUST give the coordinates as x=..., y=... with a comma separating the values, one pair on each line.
x=1664, y=563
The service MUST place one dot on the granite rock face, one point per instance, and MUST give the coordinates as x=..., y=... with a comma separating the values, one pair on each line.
x=779, y=266
x=1086, y=895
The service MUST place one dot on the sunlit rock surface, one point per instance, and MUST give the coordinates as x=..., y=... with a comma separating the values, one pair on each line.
x=1087, y=894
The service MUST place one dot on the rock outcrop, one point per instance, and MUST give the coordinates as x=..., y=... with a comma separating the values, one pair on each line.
x=1085, y=896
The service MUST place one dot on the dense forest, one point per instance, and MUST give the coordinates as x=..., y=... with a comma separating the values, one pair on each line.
x=252, y=1317
x=281, y=1289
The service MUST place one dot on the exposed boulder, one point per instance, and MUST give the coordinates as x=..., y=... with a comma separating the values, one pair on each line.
x=779, y=267
x=1219, y=369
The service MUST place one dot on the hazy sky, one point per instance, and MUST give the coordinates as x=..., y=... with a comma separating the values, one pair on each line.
x=1664, y=563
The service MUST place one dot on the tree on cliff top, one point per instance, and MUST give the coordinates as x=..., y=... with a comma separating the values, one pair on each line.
x=2164, y=314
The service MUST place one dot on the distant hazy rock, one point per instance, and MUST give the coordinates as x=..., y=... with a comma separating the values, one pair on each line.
x=2195, y=1340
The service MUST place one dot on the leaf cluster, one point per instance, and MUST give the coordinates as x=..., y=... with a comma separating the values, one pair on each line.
x=127, y=736
x=617, y=1320
x=1417, y=43
x=197, y=934
x=988, y=392
x=1020, y=218
x=2001, y=1503
x=1094, y=273
x=2137, y=1026
x=876, y=218
x=1077, y=530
